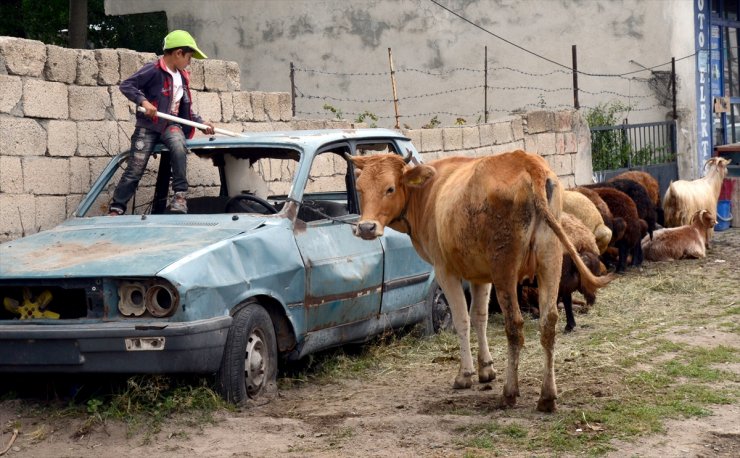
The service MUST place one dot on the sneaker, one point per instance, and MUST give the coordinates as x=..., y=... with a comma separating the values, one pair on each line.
x=115, y=211
x=179, y=203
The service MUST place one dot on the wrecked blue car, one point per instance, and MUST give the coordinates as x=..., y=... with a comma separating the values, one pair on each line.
x=264, y=266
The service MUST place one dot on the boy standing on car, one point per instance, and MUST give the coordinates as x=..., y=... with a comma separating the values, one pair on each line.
x=162, y=85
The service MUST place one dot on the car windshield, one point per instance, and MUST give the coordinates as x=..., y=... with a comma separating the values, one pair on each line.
x=221, y=180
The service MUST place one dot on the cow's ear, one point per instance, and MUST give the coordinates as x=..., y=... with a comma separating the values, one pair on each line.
x=417, y=177
x=359, y=161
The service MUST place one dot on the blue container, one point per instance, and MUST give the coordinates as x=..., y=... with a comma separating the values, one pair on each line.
x=724, y=215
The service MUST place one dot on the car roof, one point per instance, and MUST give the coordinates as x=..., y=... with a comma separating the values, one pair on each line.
x=305, y=139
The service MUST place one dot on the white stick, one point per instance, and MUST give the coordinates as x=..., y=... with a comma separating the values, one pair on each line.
x=197, y=125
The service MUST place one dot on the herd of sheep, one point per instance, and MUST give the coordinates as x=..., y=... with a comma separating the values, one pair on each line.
x=620, y=222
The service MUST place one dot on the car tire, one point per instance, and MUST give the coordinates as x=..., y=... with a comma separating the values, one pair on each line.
x=439, y=314
x=249, y=364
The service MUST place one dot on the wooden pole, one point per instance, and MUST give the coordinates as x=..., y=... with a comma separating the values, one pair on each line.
x=292, y=88
x=575, y=79
x=393, y=84
x=485, y=85
x=673, y=86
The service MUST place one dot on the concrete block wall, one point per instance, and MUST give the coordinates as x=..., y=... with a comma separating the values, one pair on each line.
x=62, y=116
x=562, y=138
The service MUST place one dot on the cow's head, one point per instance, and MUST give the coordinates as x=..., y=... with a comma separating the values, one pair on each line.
x=383, y=182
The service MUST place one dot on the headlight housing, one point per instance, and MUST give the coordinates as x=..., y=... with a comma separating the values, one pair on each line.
x=158, y=297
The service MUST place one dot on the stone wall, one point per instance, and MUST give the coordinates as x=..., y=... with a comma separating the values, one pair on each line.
x=62, y=117
x=562, y=138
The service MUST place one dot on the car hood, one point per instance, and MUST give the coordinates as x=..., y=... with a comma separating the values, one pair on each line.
x=120, y=246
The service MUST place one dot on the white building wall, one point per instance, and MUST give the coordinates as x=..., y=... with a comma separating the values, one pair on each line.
x=341, y=50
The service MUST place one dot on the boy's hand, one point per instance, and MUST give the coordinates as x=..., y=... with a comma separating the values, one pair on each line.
x=151, y=110
x=210, y=130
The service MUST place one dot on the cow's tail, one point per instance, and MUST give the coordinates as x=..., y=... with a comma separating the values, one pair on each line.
x=589, y=281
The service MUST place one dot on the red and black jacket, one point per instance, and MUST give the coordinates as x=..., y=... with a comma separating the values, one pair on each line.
x=154, y=83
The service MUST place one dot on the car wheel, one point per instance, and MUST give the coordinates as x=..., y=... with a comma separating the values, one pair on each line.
x=439, y=316
x=249, y=364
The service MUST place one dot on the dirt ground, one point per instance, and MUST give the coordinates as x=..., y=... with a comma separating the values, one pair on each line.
x=402, y=411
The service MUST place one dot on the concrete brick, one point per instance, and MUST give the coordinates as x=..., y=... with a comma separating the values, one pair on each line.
x=11, y=175
x=71, y=203
x=88, y=103
x=62, y=138
x=507, y=147
x=286, y=107
x=227, y=106
x=559, y=143
x=87, y=68
x=546, y=144
x=23, y=57
x=50, y=211
x=121, y=108
x=208, y=105
x=471, y=137
x=502, y=133
x=486, y=134
x=201, y=172
x=571, y=144
x=17, y=215
x=197, y=75
x=415, y=136
x=518, y=128
x=563, y=121
x=568, y=181
x=540, y=121
x=452, y=139
x=97, y=138
x=11, y=91
x=3, y=68
x=21, y=137
x=272, y=106
x=258, y=106
x=44, y=99
x=79, y=174
x=530, y=143
x=46, y=175
x=561, y=164
x=109, y=68
x=242, y=106
x=61, y=64
x=129, y=62
x=233, y=76
x=216, y=78
x=431, y=140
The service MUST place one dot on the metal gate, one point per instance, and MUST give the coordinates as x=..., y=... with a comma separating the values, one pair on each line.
x=649, y=147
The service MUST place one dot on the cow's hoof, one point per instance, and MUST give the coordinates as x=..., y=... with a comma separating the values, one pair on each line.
x=546, y=405
x=486, y=374
x=508, y=401
x=462, y=382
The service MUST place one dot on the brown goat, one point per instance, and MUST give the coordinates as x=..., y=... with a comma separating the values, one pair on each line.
x=622, y=206
x=651, y=186
x=688, y=241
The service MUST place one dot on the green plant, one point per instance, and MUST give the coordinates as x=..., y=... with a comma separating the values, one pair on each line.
x=609, y=148
x=364, y=116
x=434, y=122
x=336, y=111
x=460, y=121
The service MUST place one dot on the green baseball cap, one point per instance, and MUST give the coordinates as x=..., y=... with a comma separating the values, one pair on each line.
x=180, y=38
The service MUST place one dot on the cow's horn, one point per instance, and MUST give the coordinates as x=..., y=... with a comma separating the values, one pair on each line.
x=407, y=157
x=348, y=156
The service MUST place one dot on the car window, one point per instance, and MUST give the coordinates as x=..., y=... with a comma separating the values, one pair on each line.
x=326, y=193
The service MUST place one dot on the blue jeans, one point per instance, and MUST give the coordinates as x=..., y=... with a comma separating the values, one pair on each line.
x=143, y=142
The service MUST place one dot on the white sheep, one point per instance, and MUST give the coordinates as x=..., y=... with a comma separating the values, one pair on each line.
x=684, y=198
x=687, y=241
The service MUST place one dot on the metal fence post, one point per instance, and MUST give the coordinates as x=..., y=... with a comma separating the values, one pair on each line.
x=575, y=79
x=292, y=88
x=485, y=85
x=393, y=84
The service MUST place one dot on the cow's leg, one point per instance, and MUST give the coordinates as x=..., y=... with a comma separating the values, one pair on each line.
x=513, y=322
x=479, y=319
x=548, y=277
x=452, y=287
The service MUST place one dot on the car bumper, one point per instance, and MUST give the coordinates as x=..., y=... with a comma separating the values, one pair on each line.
x=150, y=347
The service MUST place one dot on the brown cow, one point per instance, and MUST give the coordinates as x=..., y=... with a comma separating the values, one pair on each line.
x=487, y=220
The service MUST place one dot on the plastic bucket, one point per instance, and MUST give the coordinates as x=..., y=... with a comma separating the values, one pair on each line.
x=724, y=215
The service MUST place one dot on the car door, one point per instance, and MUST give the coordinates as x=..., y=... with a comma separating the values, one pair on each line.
x=344, y=274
